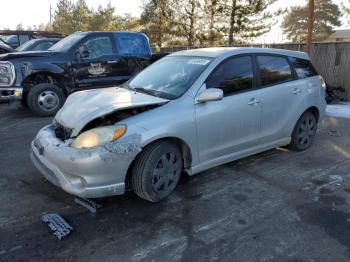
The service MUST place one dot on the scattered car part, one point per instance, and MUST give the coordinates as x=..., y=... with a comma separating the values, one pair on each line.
x=57, y=224
x=88, y=204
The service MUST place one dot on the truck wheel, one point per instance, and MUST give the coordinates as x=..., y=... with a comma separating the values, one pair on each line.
x=45, y=99
x=304, y=132
x=157, y=171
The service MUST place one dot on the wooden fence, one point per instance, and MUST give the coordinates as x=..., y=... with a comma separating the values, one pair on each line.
x=332, y=60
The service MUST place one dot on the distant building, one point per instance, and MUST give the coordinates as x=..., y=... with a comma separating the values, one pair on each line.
x=339, y=36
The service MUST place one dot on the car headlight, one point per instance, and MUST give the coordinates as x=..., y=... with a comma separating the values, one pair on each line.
x=7, y=74
x=98, y=136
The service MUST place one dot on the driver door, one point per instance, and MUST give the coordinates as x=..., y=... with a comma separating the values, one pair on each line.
x=100, y=65
x=233, y=123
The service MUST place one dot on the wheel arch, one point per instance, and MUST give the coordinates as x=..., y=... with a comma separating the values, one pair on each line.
x=183, y=146
x=315, y=111
x=41, y=78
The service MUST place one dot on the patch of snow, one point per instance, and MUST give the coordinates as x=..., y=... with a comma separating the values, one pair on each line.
x=339, y=110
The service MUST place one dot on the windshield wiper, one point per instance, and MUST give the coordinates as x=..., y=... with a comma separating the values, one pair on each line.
x=145, y=91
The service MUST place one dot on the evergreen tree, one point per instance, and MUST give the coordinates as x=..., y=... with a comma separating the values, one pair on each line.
x=20, y=27
x=103, y=19
x=187, y=19
x=81, y=15
x=127, y=22
x=213, y=12
x=63, y=17
x=346, y=9
x=326, y=17
x=156, y=20
x=248, y=19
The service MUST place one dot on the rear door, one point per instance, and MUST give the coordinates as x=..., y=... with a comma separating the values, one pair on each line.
x=307, y=75
x=233, y=123
x=281, y=96
x=134, y=51
x=99, y=68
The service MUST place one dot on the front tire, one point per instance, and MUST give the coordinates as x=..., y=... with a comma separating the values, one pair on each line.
x=45, y=99
x=304, y=132
x=157, y=171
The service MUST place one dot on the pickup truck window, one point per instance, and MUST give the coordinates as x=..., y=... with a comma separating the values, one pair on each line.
x=67, y=43
x=98, y=46
x=131, y=44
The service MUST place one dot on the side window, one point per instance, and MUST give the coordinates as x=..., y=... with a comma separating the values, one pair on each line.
x=132, y=44
x=234, y=75
x=273, y=70
x=23, y=39
x=303, y=67
x=99, y=46
x=43, y=46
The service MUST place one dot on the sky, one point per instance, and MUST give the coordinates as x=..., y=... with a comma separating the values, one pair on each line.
x=35, y=12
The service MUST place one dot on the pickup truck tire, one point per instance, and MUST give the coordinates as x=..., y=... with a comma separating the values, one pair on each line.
x=45, y=99
x=157, y=171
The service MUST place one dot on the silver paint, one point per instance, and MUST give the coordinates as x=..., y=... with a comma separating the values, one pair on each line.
x=216, y=132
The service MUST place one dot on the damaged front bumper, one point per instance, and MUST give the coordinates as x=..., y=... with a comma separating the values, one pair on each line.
x=90, y=173
x=10, y=94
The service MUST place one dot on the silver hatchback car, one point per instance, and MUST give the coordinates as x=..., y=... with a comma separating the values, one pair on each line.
x=190, y=111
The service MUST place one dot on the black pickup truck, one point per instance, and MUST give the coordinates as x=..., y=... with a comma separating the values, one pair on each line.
x=84, y=60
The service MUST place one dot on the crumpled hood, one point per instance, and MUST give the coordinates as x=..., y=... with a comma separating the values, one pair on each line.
x=85, y=106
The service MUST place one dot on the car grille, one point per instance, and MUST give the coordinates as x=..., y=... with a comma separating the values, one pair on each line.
x=61, y=132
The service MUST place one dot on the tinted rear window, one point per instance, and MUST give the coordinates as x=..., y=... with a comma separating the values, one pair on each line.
x=273, y=70
x=303, y=67
x=132, y=44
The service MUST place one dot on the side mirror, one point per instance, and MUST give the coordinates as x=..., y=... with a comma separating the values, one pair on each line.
x=83, y=51
x=210, y=94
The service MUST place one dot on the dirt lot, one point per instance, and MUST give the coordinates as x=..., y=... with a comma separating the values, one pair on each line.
x=275, y=206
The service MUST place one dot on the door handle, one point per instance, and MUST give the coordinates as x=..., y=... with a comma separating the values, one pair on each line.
x=112, y=61
x=296, y=91
x=253, y=101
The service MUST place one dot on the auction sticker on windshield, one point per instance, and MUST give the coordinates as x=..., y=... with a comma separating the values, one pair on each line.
x=199, y=61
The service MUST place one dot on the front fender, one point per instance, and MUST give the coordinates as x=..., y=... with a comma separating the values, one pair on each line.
x=30, y=68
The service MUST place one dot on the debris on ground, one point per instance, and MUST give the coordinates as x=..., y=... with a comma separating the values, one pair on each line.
x=57, y=224
x=92, y=206
x=333, y=132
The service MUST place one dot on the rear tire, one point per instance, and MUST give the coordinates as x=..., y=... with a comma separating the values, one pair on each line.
x=304, y=132
x=157, y=171
x=45, y=99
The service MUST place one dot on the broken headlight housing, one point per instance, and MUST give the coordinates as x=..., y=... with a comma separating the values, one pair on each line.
x=98, y=136
x=7, y=74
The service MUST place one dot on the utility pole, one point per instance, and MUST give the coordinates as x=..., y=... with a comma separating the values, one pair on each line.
x=310, y=24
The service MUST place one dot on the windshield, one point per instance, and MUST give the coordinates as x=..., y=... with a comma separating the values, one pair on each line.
x=66, y=43
x=5, y=37
x=26, y=45
x=3, y=40
x=170, y=77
